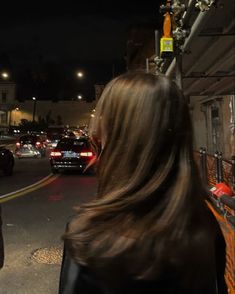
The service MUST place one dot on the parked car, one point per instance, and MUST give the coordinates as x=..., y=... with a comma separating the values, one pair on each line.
x=6, y=161
x=30, y=145
x=71, y=154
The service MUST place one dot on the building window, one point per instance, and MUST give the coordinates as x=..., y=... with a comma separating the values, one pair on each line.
x=4, y=97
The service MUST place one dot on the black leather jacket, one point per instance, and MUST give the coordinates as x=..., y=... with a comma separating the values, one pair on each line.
x=1, y=242
x=77, y=279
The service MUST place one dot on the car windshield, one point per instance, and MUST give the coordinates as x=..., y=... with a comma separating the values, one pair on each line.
x=54, y=136
x=29, y=139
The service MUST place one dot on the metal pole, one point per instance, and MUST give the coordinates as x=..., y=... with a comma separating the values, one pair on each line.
x=233, y=173
x=203, y=166
x=157, y=43
x=232, y=139
x=178, y=70
x=217, y=177
x=220, y=167
x=147, y=65
x=196, y=28
x=34, y=109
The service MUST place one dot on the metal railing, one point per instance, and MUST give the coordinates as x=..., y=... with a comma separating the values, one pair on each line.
x=214, y=169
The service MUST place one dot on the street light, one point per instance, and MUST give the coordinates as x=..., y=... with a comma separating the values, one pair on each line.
x=5, y=75
x=79, y=97
x=34, y=107
x=80, y=74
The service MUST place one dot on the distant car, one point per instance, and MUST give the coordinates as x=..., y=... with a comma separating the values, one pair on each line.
x=54, y=134
x=30, y=146
x=28, y=151
x=53, y=139
x=69, y=134
x=71, y=154
x=6, y=161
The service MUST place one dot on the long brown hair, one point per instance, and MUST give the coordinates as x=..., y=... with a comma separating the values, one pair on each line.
x=149, y=192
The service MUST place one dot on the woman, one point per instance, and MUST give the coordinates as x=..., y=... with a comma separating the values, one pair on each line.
x=149, y=230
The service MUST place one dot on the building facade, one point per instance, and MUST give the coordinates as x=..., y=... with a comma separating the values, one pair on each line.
x=213, y=122
x=7, y=103
x=68, y=113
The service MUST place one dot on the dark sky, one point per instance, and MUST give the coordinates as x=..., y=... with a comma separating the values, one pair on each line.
x=91, y=37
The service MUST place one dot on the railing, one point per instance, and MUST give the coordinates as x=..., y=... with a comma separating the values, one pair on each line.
x=213, y=170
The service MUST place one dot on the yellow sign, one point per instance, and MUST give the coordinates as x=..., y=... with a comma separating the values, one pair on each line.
x=166, y=47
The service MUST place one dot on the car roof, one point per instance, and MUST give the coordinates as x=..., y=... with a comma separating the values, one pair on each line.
x=84, y=139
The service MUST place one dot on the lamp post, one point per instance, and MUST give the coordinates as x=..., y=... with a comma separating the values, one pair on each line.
x=34, y=107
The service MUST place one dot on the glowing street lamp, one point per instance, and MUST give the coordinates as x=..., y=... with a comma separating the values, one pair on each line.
x=79, y=97
x=5, y=75
x=80, y=74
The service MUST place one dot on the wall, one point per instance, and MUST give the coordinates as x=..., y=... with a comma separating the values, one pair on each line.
x=202, y=129
x=7, y=100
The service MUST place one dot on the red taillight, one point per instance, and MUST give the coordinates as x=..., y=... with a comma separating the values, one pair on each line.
x=17, y=144
x=86, y=154
x=56, y=154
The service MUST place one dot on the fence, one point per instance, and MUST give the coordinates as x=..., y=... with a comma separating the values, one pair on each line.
x=214, y=170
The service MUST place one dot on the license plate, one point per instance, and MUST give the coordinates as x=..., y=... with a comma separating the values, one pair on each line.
x=70, y=154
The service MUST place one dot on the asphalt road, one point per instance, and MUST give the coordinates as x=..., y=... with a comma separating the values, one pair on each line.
x=33, y=224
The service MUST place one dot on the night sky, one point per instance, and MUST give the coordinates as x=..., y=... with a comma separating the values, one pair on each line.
x=43, y=46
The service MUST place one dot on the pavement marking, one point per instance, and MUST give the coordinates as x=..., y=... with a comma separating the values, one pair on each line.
x=45, y=181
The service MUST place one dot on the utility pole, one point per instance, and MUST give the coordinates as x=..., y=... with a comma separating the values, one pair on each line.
x=34, y=107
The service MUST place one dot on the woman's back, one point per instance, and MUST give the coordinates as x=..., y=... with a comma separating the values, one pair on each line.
x=149, y=226
x=198, y=268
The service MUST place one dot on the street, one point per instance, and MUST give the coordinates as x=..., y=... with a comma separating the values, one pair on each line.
x=33, y=223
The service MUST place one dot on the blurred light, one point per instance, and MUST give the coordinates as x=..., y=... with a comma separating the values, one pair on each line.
x=86, y=154
x=92, y=115
x=79, y=97
x=5, y=75
x=34, y=98
x=80, y=74
x=56, y=153
x=17, y=109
